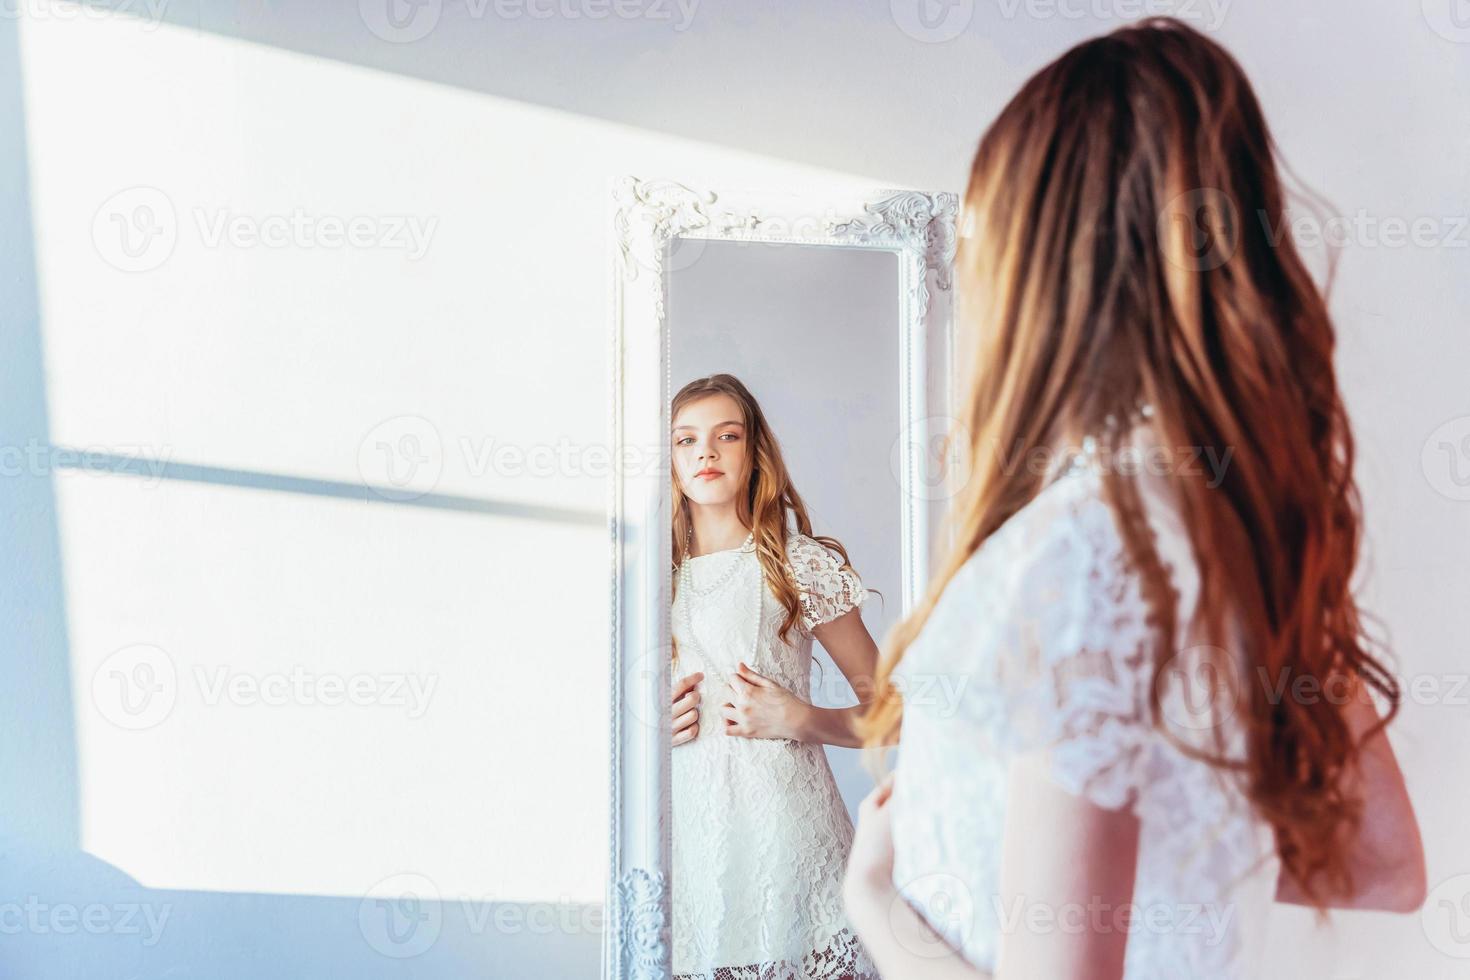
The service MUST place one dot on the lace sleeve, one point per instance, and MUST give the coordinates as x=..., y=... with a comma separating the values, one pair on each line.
x=827, y=589
x=1077, y=646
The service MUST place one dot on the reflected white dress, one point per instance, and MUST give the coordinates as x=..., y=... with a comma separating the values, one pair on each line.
x=760, y=832
x=1040, y=640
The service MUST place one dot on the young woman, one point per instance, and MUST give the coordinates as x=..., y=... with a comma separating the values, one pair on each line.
x=760, y=832
x=1161, y=719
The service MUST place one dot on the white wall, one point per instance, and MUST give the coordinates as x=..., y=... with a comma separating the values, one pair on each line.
x=263, y=375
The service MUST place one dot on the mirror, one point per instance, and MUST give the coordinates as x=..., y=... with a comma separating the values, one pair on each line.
x=831, y=316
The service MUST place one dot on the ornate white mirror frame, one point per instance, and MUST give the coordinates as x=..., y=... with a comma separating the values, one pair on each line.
x=648, y=216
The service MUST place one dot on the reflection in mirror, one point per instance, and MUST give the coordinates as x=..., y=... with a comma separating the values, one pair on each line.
x=786, y=561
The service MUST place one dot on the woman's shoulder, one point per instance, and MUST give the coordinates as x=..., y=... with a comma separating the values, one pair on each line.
x=1067, y=529
x=805, y=552
x=1058, y=586
x=1072, y=532
x=828, y=585
x=802, y=544
x=813, y=562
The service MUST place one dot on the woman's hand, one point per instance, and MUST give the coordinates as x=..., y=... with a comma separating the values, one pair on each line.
x=761, y=708
x=899, y=939
x=686, y=708
x=867, y=887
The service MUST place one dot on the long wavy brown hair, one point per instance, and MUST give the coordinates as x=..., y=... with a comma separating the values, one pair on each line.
x=1116, y=250
x=770, y=504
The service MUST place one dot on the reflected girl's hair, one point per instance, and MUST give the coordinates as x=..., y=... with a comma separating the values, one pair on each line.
x=1117, y=251
x=770, y=503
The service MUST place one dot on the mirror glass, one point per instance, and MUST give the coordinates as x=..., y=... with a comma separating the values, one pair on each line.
x=761, y=824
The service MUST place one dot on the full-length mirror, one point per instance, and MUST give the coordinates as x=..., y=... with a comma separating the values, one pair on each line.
x=801, y=353
x=787, y=359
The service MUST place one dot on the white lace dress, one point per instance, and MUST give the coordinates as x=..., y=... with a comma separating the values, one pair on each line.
x=760, y=832
x=1040, y=641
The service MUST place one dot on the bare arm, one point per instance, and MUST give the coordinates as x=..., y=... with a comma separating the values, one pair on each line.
x=1066, y=865
x=853, y=650
x=898, y=939
x=1066, y=887
x=1386, y=857
x=901, y=942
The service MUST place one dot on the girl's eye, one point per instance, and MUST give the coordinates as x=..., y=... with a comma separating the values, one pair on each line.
x=685, y=440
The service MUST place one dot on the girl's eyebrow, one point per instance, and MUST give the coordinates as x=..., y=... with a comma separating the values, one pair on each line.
x=717, y=425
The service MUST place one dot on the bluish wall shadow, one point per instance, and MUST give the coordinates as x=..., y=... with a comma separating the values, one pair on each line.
x=38, y=757
x=66, y=915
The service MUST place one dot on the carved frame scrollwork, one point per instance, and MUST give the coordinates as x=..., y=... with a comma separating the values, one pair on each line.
x=648, y=219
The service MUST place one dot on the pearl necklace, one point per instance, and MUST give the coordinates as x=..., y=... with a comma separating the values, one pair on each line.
x=684, y=580
x=687, y=591
x=1088, y=456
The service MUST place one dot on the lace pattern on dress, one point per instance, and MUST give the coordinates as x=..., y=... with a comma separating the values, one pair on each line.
x=827, y=589
x=1076, y=657
x=1046, y=642
x=842, y=959
x=760, y=830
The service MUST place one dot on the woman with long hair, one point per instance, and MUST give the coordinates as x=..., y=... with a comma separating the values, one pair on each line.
x=760, y=831
x=1162, y=718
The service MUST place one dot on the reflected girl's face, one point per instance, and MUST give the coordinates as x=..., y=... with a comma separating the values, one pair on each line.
x=710, y=449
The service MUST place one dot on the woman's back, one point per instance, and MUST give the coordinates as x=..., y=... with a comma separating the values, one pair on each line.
x=1043, y=640
x=1116, y=253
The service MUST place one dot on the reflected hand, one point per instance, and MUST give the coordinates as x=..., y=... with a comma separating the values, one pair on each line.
x=686, y=708
x=761, y=708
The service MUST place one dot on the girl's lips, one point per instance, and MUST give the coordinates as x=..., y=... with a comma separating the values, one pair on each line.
x=708, y=474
